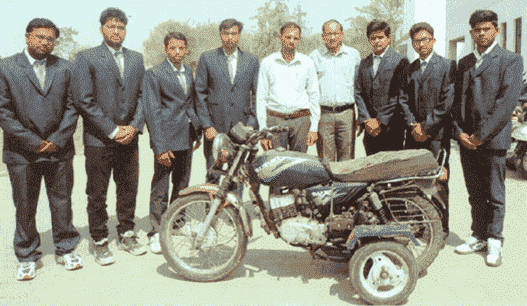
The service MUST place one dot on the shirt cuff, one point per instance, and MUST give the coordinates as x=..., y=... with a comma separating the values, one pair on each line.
x=114, y=133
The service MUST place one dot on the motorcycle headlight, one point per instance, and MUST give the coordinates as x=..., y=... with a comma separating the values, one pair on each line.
x=222, y=148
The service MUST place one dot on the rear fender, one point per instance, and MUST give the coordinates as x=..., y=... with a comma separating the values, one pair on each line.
x=362, y=231
x=230, y=200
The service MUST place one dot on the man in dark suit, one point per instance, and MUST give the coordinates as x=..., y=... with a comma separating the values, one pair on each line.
x=488, y=85
x=39, y=119
x=379, y=91
x=430, y=98
x=107, y=91
x=171, y=115
x=226, y=82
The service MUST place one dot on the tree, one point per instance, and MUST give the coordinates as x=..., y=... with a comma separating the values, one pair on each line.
x=390, y=11
x=66, y=45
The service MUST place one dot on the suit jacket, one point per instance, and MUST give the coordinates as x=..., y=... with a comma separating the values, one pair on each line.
x=30, y=114
x=167, y=109
x=430, y=97
x=227, y=103
x=486, y=97
x=380, y=96
x=104, y=99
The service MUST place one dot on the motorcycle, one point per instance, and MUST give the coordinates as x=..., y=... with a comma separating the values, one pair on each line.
x=386, y=227
x=517, y=154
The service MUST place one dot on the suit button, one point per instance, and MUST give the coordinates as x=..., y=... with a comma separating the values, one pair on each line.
x=232, y=88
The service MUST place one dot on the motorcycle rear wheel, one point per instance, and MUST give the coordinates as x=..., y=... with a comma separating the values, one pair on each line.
x=408, y=208
x=181, y=221
x=383, y=272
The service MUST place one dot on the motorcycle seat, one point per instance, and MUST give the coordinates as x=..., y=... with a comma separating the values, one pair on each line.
x=385, y=166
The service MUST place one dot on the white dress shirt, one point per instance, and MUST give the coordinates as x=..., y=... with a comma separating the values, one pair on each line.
x=377, y=60
x=336, y=74
x=479, y=57
x=32, y=62
x=287, y=87
x=181, y=75
x=232, y=62
x=120, y=59
x=426, y=60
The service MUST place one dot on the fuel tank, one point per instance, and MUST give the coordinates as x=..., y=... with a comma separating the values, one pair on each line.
x=288, y=168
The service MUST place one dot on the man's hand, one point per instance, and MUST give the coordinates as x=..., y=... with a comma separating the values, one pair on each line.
x=47, y=146
x=266, y=144
x=373, y=126
x=164, y=158
x=418, y=133
x=197, y=143
x=210, y=133
x=466, y=142
x=312, y=138
x=127, y=135
x=475, y=141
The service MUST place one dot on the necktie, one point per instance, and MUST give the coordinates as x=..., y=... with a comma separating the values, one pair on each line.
x=182, y=80
x=423, y=67
x=376, y=64
x=231, y=67
x=41, y=72
x=118, y=55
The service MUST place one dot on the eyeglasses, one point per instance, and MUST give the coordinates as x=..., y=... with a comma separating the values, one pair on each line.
x=43, y=38
x=418, y=41
x=112, y=27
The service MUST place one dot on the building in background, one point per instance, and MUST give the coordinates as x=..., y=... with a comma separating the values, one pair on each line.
x=451, y=29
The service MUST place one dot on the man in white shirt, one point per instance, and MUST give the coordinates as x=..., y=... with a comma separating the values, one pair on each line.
x=336, y=64
x=288, y=94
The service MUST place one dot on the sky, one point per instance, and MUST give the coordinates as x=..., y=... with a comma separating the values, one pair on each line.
x=83, y=16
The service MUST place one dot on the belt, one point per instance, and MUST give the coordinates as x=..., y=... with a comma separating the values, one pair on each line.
x=297, y=114
x=337, y=109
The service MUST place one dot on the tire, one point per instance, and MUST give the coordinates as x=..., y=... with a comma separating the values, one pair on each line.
x=172, y=225
x=431, y=234
x=370, y=262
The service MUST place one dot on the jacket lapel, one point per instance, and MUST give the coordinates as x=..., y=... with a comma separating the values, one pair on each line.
x=173, y=79
x=51, y=68
x=241, y=65
x=369, y=66
x=487, y=59
x=29, y=72
x=127, y=63
x=223, y=63
x=109, y=61
x=385, y=60
x=429, y=67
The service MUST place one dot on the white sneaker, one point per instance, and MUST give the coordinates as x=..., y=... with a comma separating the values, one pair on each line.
x=71, y=261
x=495, y=252
x=155, y=246
x=472, y=245
x=27, y=270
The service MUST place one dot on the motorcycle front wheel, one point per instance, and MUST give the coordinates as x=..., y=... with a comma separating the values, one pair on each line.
x=383, y=272
x=222, y=249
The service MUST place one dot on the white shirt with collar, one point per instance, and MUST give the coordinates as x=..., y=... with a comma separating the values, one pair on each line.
x=377, y=61
x=232, y=61
x=181, y=75
x=479, y=57
x=426, y=60
x=287, y=87
x=336, y=74
x=32, y=62
x=119, y=58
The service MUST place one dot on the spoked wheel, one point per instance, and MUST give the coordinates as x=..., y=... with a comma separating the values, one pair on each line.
x=425, y=224
x=383, y=272
x=217, y=255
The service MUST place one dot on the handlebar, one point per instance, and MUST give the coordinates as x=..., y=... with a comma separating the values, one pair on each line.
x=266, y=133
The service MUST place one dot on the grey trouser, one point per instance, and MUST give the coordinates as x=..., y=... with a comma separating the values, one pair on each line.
x=336, y=135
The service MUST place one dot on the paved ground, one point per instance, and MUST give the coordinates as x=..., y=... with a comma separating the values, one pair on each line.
x=272, y=273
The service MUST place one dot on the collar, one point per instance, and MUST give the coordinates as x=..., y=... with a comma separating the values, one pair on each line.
x=382, y=55
x=489, y=49
x=235, y=53
x=31, y=59
x=297, y=58
x=343, y=50
x=112, y=50
x=427, y=60
x=181, y=68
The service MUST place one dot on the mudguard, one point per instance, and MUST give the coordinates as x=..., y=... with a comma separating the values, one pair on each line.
x=361, y=231
x=230, y=199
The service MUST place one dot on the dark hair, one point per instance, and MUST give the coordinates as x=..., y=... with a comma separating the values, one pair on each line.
x=229, y=23
x=42, y=23
x=177, y=36
x=377, y=25
x=483, y=16
x=418, y=27
x=113, y=12
x=288, y=25
x=332, y=21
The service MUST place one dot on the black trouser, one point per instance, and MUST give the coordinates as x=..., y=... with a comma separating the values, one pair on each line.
x=26, y=180
x=443, y=190
x=484, y=171
x=180, y=170
x=391, y=140
x=99, y=164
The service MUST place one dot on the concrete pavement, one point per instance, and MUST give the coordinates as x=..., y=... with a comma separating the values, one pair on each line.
x=272, y=273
